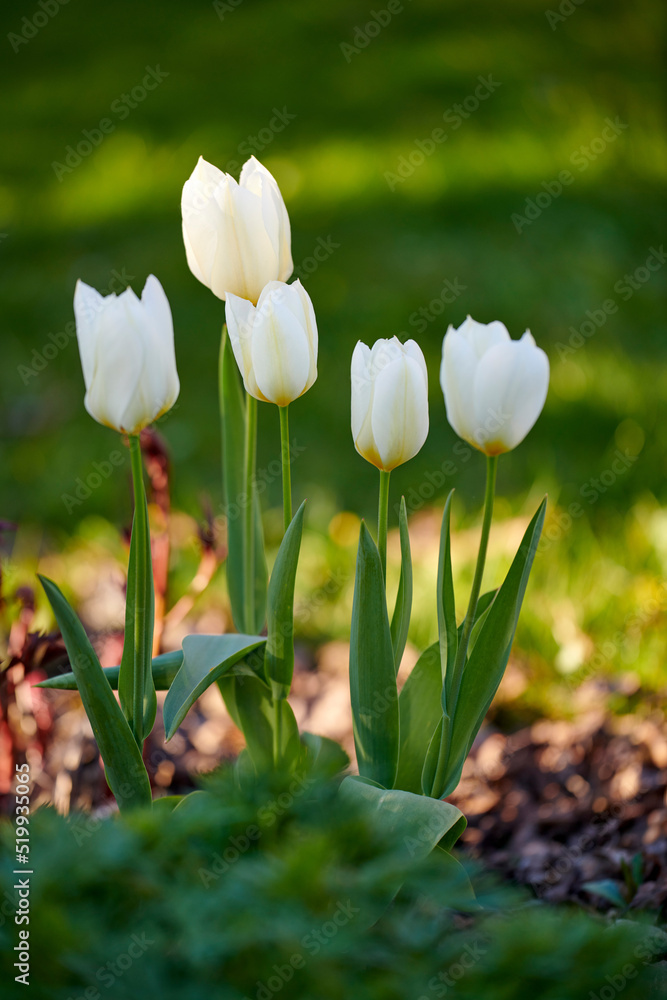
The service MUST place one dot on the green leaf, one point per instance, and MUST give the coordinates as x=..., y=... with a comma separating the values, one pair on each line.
x=205, y=659
x=372, y=675
x=232, y=414
x=325, y=756
x=164, y=668
x=447, y=633
x=279, y=656
x=135, y=681
x=400, y=621
x=458, y=891
x=415, y=822
x=257, y=710
x=486, y=664
x=167, y=803
x=609, y=890
x=124, y=767
x=432, y=756
x=420, y=712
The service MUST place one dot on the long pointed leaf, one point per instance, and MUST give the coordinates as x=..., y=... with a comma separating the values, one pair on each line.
x=447, y=633
x=164, y=668
x=372, y=675
x=124, y=767
x=205, y=659
x=420, y=712
x=400, y=621
x=279, y=661
x=232, y=413
x=486, y=665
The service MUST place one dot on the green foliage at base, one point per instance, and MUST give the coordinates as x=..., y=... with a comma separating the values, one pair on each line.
x=258, y=888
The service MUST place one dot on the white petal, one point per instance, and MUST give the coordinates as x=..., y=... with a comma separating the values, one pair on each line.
x=400, y=412
x=362, y=387
x=482, y=336
x=511, y=385
x=239, y=314
x=160, y=365
x=113, y=396
x=457, y=375
x=280, y=352
x=88, y=306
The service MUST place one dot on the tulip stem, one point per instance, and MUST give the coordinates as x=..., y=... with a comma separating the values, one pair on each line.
x=469, y=621
x=139, y=618
x=383, y=511
x=285, y=456
x=462, y=651
x=249, y=546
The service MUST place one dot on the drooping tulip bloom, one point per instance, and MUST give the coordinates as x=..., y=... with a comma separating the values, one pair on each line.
x=236, y=235
x=494, y=387
x=127, y=355
x=274, y=342
x=389, y=402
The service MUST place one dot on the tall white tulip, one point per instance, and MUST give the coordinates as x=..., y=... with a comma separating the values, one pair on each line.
x=389, y=402
x=127, y=355
x=236, y=235
x=494, y=387
x=274, y=342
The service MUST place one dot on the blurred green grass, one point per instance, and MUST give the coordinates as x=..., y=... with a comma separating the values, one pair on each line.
x=118, y=211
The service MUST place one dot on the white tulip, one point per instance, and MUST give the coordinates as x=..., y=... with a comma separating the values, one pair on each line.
x=389, y=402
x=274, y=342
x=494, y=387
x=127, y=355
x=236, y=235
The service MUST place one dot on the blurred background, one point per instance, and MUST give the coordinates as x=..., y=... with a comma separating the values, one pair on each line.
x=437, y=159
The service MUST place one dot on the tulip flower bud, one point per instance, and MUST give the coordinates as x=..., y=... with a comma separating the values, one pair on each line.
x=237, y=236
x=494, y=387
x=127, y=355
x=274, y=342
x=389, y=402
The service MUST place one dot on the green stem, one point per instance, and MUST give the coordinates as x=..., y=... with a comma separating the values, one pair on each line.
x=249, y=512
x=277, y=731
x=469, y=621
x=142, y=625
x=383, y=510
x=491, y=467
x=285, y=456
